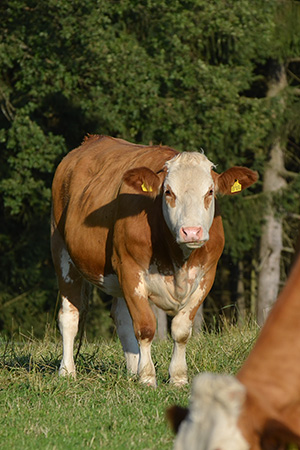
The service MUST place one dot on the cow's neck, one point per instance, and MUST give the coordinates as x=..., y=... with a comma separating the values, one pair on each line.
x=272, y=366
x=178, y=255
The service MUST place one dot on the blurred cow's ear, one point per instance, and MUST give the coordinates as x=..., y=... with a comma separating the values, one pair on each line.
x=234, y=180
x=175, y=415
x=143, y=181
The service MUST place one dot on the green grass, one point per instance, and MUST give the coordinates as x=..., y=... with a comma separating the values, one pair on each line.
x=103, y=408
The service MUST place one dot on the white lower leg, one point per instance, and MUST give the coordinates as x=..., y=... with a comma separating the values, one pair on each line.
x=178, y=366
x=146, y=366
x=68, y=324
x=126, y=334
x=181, y=331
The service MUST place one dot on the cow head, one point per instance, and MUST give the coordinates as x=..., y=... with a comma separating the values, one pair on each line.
x=188, y=185
x=224, y=415
x=211, y=423
x=188, y=195
x=188, y=198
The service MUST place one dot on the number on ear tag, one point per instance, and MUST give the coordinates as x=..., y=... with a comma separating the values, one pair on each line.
x=236, y=187
x=145, y=189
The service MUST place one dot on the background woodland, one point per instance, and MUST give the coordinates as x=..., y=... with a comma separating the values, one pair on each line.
x=221, y=75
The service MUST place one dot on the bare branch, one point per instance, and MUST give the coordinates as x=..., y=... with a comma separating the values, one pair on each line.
x=6, y=107
x=295, y=77
x=288, y=174
x=17, y=298
x=293, y=215
x=288, y=250
x=295, y=59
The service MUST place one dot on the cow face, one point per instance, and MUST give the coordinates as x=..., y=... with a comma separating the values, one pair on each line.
x=188, y=199
x=188, y=185
x=211, y=423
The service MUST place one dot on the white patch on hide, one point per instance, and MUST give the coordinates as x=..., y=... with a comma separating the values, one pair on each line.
x=171, y=291
x=140, y=288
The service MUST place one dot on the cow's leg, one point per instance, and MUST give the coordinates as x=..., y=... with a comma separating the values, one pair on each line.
x=181, y=330
x=125, y=331
x=68, y=319
x=143, y=318
x=146, y=369
x=74, y=292
x=136, y=338
x=74, y=305
x=144, y=325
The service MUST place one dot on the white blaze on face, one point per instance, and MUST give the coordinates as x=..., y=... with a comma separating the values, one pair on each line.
x=188, y=198
x=215, y=406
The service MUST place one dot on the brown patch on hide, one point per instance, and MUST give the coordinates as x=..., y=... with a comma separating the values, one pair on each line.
x=170, y=196
x=208, y=197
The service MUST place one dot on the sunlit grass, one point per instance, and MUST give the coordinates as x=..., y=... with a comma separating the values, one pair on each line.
x=103, y=407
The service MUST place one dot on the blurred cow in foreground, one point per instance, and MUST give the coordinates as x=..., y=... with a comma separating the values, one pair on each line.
x=259, y=409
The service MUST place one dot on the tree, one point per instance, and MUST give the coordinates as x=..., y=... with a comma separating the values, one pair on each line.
x=189, y=74
x=271, y=239
x=276, y=175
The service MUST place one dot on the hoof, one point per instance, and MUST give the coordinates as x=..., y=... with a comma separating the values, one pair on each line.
x=179, y=382
x=64, y=372
x=147, y=381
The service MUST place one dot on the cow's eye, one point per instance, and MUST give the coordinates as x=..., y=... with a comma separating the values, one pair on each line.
x=211, y=192
x=169, y=194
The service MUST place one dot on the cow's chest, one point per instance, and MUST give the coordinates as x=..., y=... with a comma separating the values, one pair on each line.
x=171, y=291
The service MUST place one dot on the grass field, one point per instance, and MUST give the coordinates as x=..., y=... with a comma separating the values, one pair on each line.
x=102, y=408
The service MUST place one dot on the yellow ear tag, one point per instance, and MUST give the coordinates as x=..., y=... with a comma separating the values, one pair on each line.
x=236, y=187
x=145, y=189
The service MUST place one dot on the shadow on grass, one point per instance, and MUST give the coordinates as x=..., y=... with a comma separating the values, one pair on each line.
x=29, y=363
x=12, y=359
x=87, y=363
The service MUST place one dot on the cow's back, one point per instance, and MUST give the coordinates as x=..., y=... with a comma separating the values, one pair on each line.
x=84, y=192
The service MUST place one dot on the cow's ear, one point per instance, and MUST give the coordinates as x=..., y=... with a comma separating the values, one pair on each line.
x=143, y=181
x=175, y=415
x=234, y=180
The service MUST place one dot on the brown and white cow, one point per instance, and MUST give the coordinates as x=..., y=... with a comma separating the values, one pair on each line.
x=259, y=409
x=139, y=222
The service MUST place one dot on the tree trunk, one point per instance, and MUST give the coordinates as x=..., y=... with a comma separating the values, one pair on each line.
x=271, y=239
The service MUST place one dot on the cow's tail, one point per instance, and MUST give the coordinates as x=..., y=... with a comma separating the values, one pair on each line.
x=86, y=291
